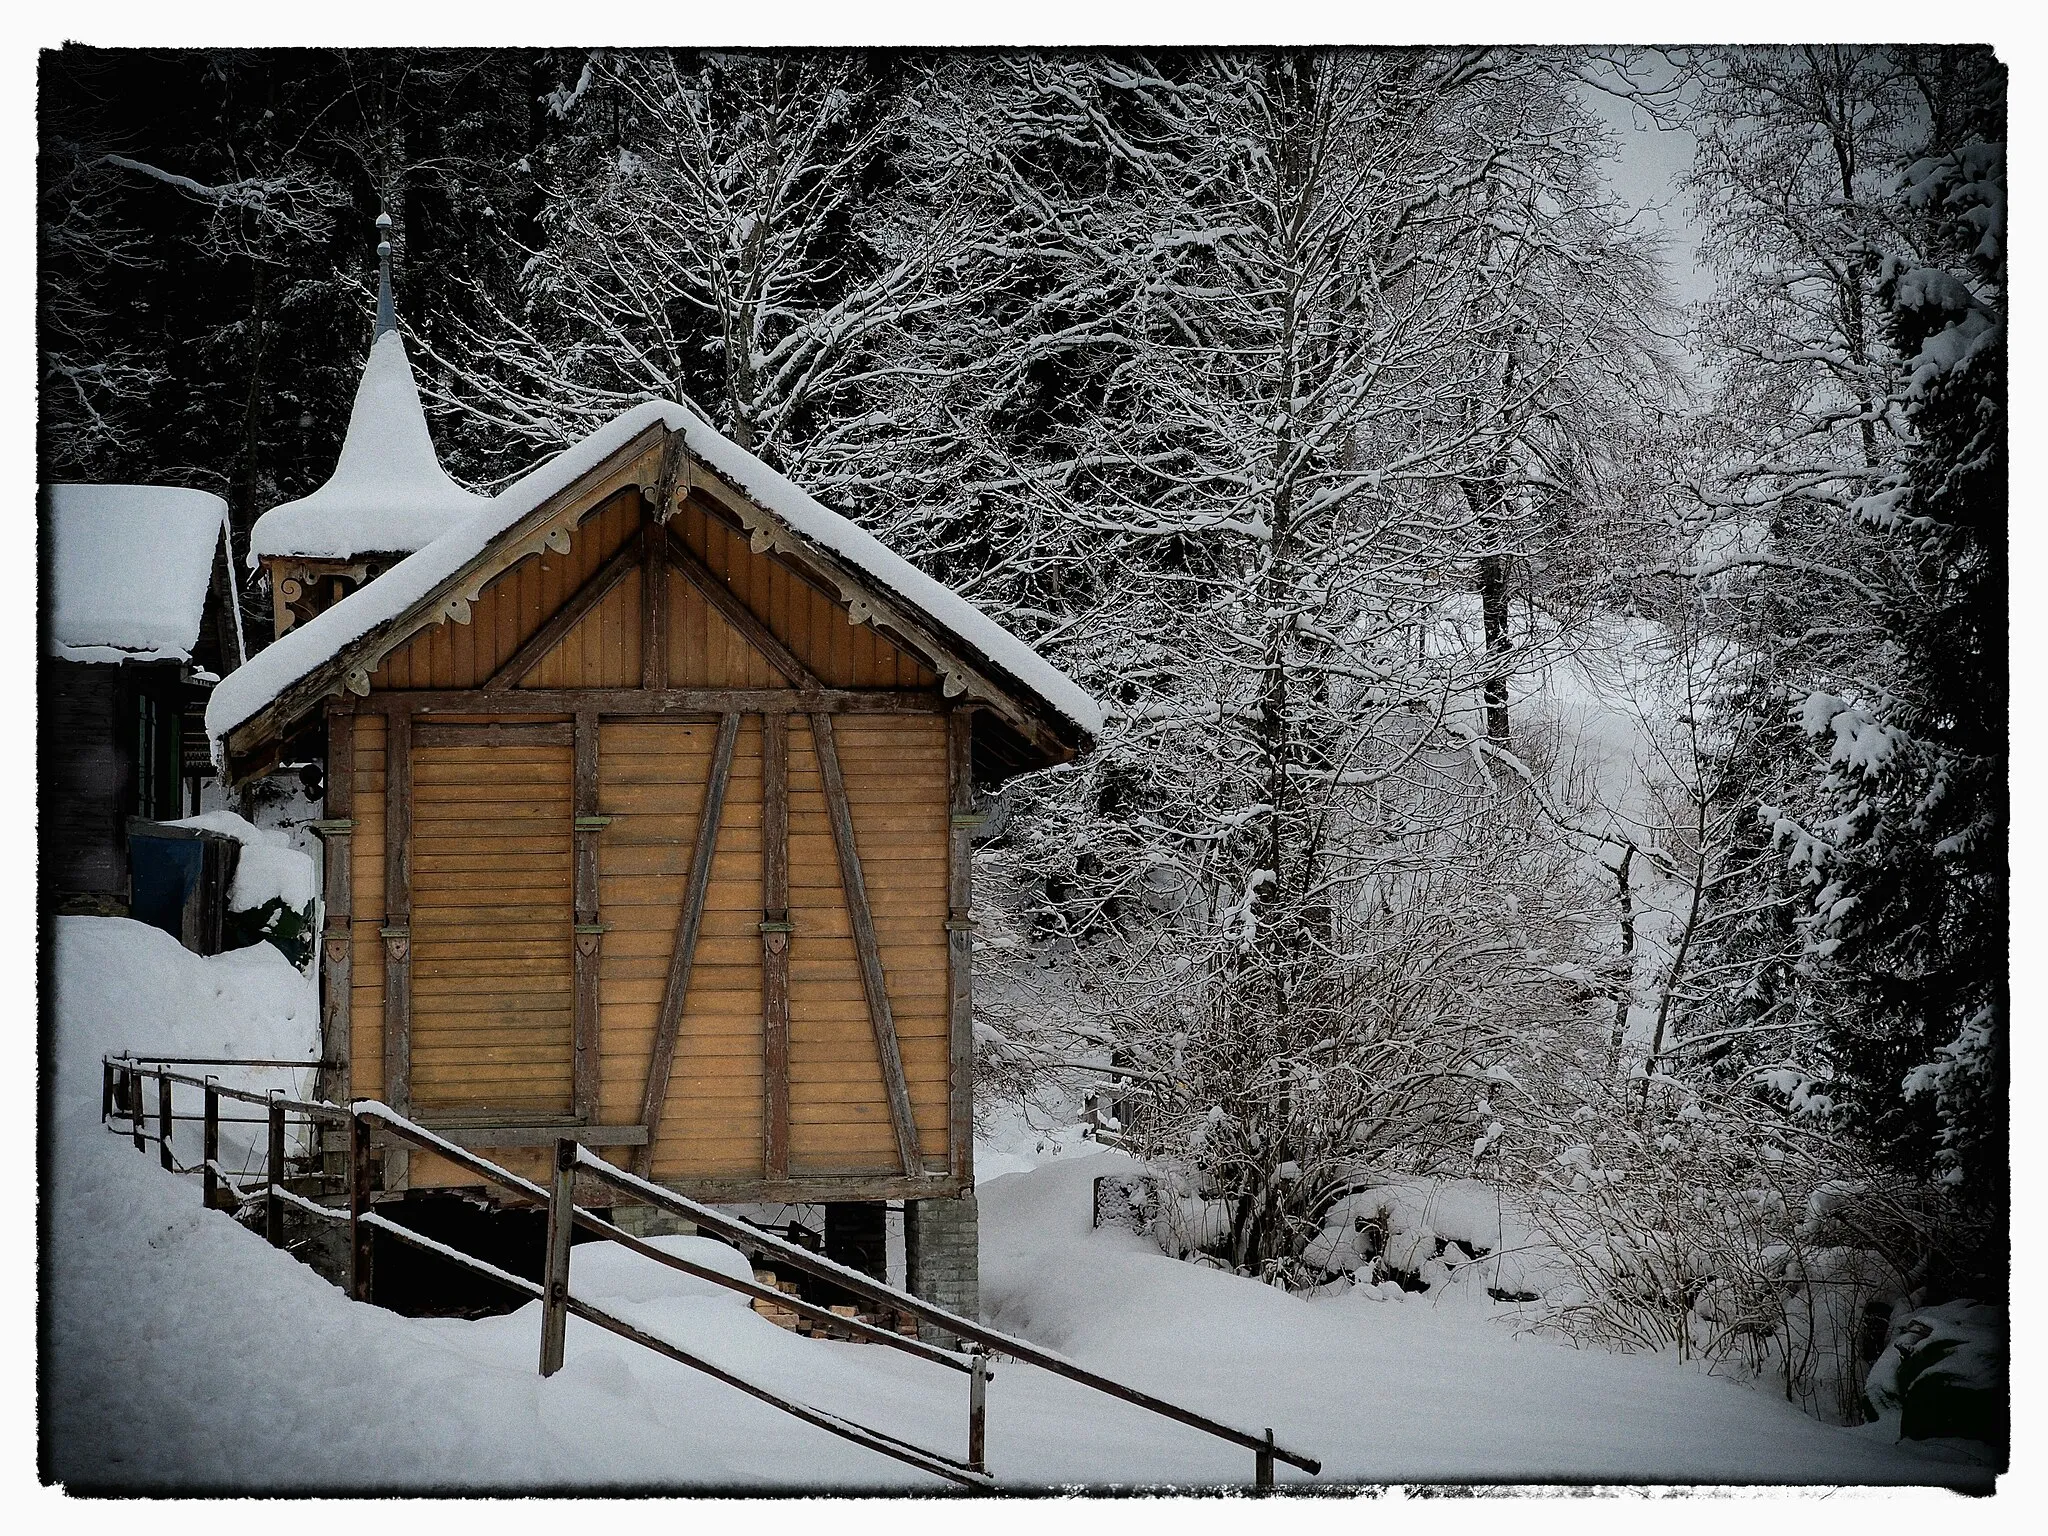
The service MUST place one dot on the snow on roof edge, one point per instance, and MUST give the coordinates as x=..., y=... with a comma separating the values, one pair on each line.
x=246, y=691
x=130, y=569
x=806, y=515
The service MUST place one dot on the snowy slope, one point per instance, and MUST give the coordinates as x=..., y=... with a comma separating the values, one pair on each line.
x=129, y=567
x=182, y=1351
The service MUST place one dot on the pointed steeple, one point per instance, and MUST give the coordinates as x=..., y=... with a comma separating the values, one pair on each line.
x=388, y=494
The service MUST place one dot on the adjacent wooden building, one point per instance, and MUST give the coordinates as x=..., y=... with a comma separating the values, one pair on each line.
x=135, y=578
x=650, y=798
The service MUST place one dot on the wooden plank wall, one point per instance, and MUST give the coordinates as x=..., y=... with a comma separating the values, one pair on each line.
x=492, y=1004
x=492, y=910
x=896, y=790
x=366, y=970
x=652, y=781
x=814, y=626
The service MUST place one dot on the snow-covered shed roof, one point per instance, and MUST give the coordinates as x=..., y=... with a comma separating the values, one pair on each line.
x=339, y=647
x=388, y=494
x=129, y=569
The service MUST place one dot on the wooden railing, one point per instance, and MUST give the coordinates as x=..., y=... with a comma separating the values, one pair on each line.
x=369, y=1121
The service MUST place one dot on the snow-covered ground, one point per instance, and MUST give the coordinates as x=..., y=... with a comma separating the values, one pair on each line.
x=183, y=1352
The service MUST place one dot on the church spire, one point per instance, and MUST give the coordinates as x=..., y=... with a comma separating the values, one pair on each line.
x=388, y=495
x=387, y=311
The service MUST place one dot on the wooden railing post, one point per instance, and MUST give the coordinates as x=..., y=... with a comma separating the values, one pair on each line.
x=359, y=1188
x=135, y=1117
x=163, y=1119
x=1262, y=1471
x=273, y=1206
x=210, y=1148
x=977, y=1413
x=106, y=1090
x=554, y=1313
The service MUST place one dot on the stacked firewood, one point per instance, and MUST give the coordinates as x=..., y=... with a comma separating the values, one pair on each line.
x=788, y=1317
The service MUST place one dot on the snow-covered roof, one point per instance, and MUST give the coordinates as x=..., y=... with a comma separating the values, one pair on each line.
x=307, y=648
x=388, y=493
x=129, y=568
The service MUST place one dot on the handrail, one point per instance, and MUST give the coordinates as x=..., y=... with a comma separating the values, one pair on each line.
x=590, y=1221
x=871, y=1439
x=122, y=1095
x=741, y=1234
x=312, y=1109
x=219, y=1061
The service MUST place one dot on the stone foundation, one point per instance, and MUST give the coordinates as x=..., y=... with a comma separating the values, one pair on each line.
x=942, y=1254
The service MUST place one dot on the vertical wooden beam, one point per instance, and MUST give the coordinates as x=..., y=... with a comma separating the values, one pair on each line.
x=554, y=1307
x=683, y=955
x=776, y=933
x=209, y=1149
x=589, y=927
x=397, y=932
x=163, y=1120
x=359, y=1230
x=273, y=1163
x=863, y=920
x=653, y=605
x=338, y=904
x=961, y=822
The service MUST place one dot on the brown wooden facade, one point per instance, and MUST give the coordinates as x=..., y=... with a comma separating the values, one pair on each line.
x=641, y=833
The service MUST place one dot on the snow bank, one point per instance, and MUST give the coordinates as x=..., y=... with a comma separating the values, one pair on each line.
x=268, y=869
x=123, y=985
x=182, y=1352
x=129, y=568
x=388, y=493
x=607, y=1272
x=308, y=646
x=1419, y=1392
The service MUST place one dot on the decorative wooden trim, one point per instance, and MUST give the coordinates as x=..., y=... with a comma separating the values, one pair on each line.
x=564, y=619
x=776, y=933
x=831, y=575
x=397, y=932
x=674, y=466
x=587, y=938
x=618, y=471
x=338, y=905
x=540, y=733
x=739, y=615
x=871, y=979
x=658, y=702
x=654, y=540
x=689, y=921
x=960, y=944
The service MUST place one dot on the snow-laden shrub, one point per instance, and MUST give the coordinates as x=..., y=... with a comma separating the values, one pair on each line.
x=1943, y=1376
x=274, y=889
x=1427, y=1233
x=1703, y=1234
